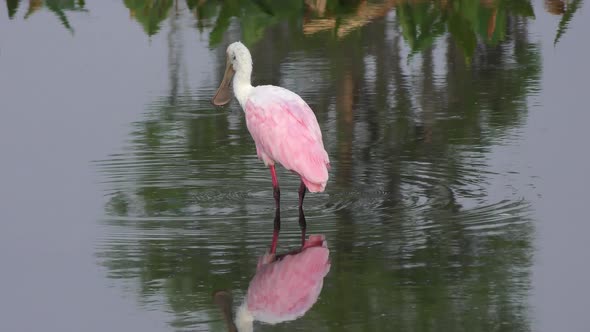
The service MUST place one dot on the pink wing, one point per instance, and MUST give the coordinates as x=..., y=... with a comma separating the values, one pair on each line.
x=286, y=289
x=286, y=130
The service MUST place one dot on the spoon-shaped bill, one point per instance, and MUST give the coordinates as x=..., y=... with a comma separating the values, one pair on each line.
x=223, y=94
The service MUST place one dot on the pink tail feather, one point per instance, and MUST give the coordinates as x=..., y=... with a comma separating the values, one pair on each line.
x=314, y=187
x=316, y=169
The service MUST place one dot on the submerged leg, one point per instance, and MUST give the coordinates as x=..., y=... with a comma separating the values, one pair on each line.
x=277, y=221
x=276, y=230
x=302, y=223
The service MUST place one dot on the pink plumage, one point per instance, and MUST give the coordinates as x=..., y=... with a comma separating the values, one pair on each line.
x=286, y=130
x=285, y=289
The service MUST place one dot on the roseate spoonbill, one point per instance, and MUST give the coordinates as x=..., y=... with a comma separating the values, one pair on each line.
x=283, y=289
x=284, y=129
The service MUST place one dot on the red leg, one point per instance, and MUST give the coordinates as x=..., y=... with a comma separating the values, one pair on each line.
x=277, y=221
x=302, y=223
x=276, y=230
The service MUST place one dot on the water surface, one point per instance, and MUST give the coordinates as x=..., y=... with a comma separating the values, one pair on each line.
x=455, y=132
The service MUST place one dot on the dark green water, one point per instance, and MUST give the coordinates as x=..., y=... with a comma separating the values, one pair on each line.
x=456, y=131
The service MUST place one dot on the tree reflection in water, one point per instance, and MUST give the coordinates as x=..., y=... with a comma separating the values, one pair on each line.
x=412, y=98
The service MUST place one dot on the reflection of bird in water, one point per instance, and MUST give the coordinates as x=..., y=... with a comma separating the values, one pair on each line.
x=283, y=289
x=284, y=129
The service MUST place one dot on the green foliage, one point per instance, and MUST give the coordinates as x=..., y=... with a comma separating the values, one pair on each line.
x=462, y=33
x=468, y=22
x=59, y=8
x=566, y=18
x=254, y=17
x=420, y=23
x=12, y=7
x=149, y=13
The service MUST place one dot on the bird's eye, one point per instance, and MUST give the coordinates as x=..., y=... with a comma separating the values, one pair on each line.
x=234, y=57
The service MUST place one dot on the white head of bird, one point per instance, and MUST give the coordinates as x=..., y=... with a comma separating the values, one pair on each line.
x=239, y=67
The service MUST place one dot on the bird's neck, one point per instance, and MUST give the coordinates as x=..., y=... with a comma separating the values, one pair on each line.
x=242, y=86
x=244, y=319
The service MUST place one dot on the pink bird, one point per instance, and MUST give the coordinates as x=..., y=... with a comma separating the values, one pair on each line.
x=284, y=129
x=283, y=289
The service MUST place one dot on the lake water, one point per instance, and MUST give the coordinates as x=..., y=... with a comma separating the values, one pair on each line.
x=458, y=192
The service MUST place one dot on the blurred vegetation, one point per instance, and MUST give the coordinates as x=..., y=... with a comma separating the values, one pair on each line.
x=467, y=21
x=58, y=7
x=253, y=16
x=421, y=22
x=566, y=10
x=12, y=7
x=149, y=13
